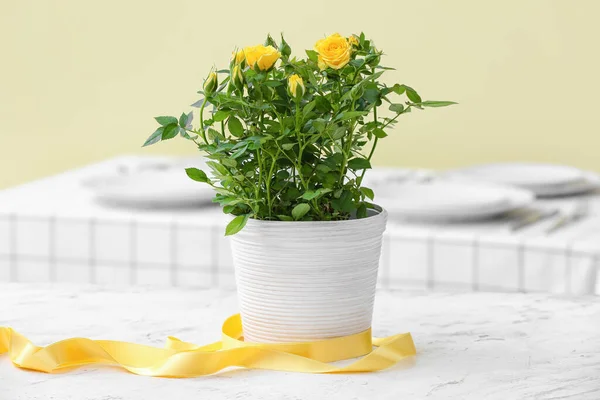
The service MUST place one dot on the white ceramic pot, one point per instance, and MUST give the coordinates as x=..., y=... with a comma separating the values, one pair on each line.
x=302, y=281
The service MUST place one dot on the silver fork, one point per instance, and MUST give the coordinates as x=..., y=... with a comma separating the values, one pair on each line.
x=533, y=218
x=582, y=210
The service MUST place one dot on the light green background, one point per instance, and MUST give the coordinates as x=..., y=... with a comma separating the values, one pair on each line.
x=81, y=80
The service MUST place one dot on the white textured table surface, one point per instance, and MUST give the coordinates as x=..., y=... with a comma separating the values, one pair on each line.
x=475, y=346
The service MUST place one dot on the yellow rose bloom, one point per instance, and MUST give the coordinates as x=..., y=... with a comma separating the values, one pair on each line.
x=238, y=56
x=211, y=83
x=353, y=40
x=262, y=56
x=296, y=86
x=334, y=51
x=237, y=78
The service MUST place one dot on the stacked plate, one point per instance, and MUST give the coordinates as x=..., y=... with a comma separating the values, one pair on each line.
x=545, y=180
x=152, y=185
x=450, y=200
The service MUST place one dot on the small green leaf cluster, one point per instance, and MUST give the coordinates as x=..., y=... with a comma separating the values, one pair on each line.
x=277, y=156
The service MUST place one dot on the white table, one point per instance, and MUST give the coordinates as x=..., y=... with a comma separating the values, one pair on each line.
x=470, y=346
x=53, y=230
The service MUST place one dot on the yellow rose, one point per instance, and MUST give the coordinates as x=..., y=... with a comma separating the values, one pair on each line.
x=211, y=83
x=353, y=40
x=238, y=56
x=262, y=56
x=334, y=51
x=296, y=86
x=237, y=78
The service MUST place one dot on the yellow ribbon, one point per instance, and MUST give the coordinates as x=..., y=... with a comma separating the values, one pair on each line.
x=185, y=360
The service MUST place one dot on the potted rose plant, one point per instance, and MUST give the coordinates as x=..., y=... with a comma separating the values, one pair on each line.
x=285, y=140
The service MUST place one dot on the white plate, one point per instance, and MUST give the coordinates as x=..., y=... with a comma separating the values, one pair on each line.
x=451, y=200
x=591, y=181
x=162, y=185
x=540, y=178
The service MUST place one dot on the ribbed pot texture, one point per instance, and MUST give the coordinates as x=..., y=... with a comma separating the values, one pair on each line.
x=304, y=281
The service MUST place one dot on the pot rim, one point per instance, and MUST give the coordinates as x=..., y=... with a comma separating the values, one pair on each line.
x=380, y=212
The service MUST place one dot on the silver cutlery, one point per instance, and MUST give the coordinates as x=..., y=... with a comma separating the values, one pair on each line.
x=582, y=210
x=533, y=218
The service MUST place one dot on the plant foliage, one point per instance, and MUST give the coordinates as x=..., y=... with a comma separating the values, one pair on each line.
x=285, y=136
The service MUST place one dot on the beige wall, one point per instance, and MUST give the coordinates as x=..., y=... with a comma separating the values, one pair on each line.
x=81, y=80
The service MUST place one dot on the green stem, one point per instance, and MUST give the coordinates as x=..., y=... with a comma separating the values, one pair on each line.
x=312, y=203
x=372, y=148
x=396, y=117
x=202, y=121
x=347, y=147
x=268, y=184
x=257, y=189
x=348, y=150
x=300, y=144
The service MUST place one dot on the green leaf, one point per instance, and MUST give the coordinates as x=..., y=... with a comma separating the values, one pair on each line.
x=229, y=209
x=312, y=55
x=397, y=108
x=308, y=108
x=313, y=194
x=323, y=104
x=398, y=89
x=270, y=41
x=240, y=151
x=412, y=95
x=164, y=121
x=285, y=218
x=170, y=131
x=310, y=194
x=155, y=137
x=221, y=115
x=272, y=83
x=215, y=134
x=197, y=174
x=361, y=212
x=339, y=132
x=359, y=163
x=228, y=200
x=285, y=48
x=323, y=168
x=197, y=104
x=228, y=162
x=218, y=168
x=319, y=125
x=282, y=175
x=183, y=120
x=236, y=225
x=350, y=114
x=300, y=211
x=358, y=62
x=288, y=146
x=334, y=160
x=222, y=191
x=432, y=103
x=235, y=126
x=371, y=94
x=344, y=203
x=355, y=92
x=367, y=192
x=379, y=133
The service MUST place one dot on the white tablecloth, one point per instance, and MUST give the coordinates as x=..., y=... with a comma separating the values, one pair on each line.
x=469, y=346
x=53, y=230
